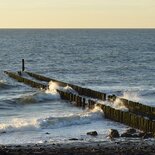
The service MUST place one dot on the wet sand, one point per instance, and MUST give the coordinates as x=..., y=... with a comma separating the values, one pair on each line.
x=118, y=147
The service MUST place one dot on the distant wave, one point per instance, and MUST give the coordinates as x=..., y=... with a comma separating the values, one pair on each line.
x=4, y=85
x=20, y=125
x=37, y=97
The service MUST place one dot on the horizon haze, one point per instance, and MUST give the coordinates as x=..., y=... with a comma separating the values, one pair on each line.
x=77, y=14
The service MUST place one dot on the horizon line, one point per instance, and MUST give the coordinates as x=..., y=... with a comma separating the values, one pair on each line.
x=78, y=28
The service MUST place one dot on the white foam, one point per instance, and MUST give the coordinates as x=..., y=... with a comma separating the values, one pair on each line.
x=33, y=124
x=69, y=90
x=53, y=86
x=117, y=104
x=19, y=125
x=131, y=95
x=72, y=119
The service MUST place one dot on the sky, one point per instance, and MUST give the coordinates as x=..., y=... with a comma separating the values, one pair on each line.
x=77, y=13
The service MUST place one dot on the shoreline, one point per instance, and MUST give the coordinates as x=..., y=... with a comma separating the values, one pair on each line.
x=116, y=146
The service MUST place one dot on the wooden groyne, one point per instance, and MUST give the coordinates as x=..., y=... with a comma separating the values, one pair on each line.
x=81, y=90
x=25, y=80
x=142, y=109
x=130, y=118
x=135, y=107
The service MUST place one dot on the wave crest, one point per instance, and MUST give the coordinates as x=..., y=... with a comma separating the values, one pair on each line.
x=4, y=85
x=38, y=97
x=53, y=86
x=18, y=125
x=78, y=119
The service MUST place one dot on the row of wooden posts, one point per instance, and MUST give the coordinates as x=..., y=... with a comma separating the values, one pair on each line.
x=17, y=76
x=134, y=107
x=81, y=91
x=140, y=108
x=125, y=117
x=130, y=118
x=77, y=100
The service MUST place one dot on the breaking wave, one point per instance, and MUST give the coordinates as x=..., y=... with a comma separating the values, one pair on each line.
x=20, y=125
x=17, y=125
x=49, y=94
x=38, y=97
x=78, y=119
x=55, y=86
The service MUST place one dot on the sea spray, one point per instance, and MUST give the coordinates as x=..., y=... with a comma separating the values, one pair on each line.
x=131, y=95
x=117, y=104
x=53, y=86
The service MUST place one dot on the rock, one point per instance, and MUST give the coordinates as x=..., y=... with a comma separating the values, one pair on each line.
x=131, y=131
x=3, y=132
x=73, y=139
x=114, y=133
x=148, y=135
x=135, y=136
x=126, y=135
x=141, y=134
x=92, y=133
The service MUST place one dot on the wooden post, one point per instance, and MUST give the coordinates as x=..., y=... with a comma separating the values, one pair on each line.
x=23, y=65
x=83, y=103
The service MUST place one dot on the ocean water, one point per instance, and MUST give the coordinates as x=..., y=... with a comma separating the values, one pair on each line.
x=112, y=61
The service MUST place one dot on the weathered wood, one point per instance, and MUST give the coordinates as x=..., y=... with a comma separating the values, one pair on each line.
x=139, y=108
x=80, y=90
x=26, y=81
x=23, y=65
x=126, y=117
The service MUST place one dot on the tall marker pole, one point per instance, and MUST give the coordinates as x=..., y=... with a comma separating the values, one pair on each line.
x=23, y=65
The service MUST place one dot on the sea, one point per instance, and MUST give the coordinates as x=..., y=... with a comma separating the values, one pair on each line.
x=113, y=61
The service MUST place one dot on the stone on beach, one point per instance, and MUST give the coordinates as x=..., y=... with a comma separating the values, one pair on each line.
x=148, y=135
x=73, y=139
x=114, y=133
x=131, y=131
x=92, y=133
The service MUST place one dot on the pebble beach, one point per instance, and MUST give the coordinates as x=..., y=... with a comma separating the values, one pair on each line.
x=116, y=146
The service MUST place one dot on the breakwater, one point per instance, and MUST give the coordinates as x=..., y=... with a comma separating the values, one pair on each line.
x=138, y=116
